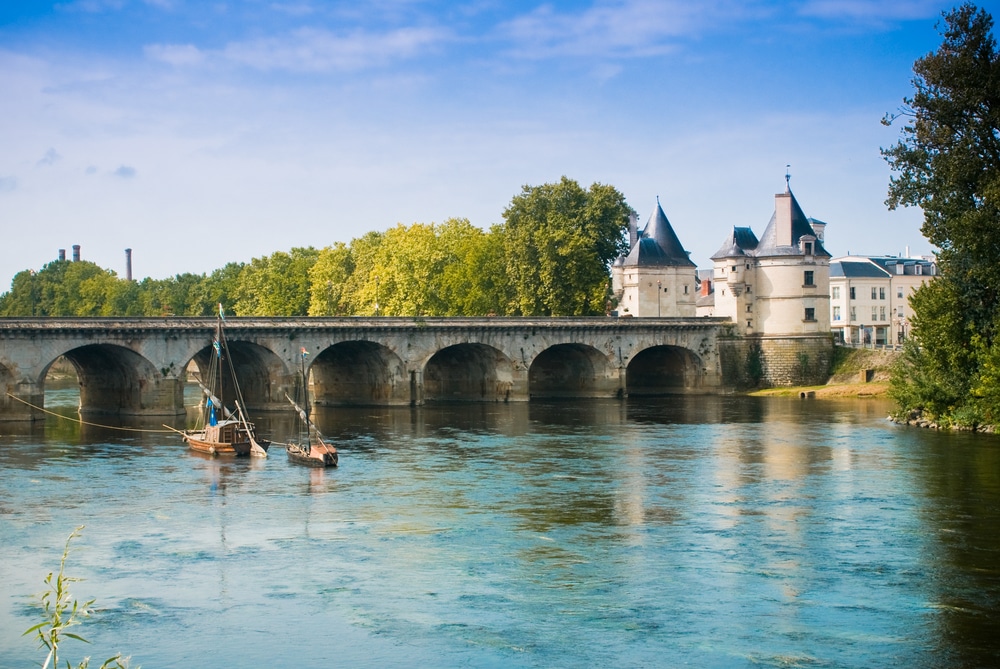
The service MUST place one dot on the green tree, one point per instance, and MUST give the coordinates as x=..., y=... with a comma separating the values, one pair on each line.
x=559, y=242
x=328, y=276
x=276, y=285
x=948, y=163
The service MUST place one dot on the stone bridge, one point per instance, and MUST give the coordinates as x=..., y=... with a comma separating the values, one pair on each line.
x=139, y=366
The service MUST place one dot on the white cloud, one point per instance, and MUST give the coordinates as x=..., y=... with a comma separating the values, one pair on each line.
x=125, y=172
x=51, y=157
x=175, y=54
x=625, y=28
x=92, y=6
x=870, y=11
x=314, y=50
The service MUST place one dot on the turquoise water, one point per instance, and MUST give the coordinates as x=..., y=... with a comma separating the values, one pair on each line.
x=705, y=532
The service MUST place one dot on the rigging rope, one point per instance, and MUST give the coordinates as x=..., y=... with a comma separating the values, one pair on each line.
x=83, y=422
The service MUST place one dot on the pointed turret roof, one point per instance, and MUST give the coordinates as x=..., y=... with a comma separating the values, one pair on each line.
x=658, y=244
x=800, y=227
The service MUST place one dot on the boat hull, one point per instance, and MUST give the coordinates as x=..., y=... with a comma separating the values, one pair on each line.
x=215, y=441
x=324, y=456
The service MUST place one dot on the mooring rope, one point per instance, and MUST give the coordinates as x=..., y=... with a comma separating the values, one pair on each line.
x=83, y=422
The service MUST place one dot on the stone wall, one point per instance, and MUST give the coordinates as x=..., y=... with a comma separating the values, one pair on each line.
x=761, y=361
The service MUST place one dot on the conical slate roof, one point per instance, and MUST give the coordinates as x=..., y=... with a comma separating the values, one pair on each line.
x=801, y=227
x=738, y=243
x=658, y=245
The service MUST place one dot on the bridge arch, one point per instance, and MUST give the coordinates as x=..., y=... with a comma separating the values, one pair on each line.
x=664, y=370
x=261, y=374
x=572, y=370
x=115, y=380
x=359, y=373
x=468, y=372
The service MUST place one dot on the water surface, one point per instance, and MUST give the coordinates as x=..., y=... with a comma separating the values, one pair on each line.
x=708, y=531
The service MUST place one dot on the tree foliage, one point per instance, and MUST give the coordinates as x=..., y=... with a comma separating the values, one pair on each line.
x=559, y=241
x=948, y=163
x=551, y=256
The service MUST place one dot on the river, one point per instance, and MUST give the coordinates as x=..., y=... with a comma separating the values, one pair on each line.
x=683, y=531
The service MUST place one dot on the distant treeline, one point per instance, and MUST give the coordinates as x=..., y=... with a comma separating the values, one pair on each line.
x=550, y=257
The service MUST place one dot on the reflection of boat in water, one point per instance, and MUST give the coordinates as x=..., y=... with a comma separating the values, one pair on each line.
x=311, y=449
x=233, y=434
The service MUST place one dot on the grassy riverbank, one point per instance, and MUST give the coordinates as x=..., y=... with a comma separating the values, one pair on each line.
x=855, y=373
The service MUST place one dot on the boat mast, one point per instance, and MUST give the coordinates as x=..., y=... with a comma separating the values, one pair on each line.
x=305, y=394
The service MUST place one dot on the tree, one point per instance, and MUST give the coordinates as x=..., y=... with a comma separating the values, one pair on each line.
x=948, y=163
x=559, y=242
x=276, y=285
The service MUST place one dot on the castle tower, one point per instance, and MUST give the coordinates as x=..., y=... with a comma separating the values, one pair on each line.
x=656, y=278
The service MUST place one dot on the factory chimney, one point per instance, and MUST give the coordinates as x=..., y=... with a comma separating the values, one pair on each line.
x=62, y=254
x=128, y=264
x=76, y=253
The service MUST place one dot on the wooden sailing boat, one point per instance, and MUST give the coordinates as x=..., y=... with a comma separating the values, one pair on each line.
x=314, y=452
x=224, y=432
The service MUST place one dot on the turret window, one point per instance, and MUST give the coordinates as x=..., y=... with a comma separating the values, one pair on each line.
x=810, y=314
x=807, y=278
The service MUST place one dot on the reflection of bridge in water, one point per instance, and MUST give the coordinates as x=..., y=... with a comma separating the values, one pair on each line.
x=139, y=366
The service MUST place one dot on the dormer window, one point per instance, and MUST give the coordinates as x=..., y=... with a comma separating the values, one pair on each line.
x=807, y=245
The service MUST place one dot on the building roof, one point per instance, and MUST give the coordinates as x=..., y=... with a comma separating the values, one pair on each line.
x=801, y=227
x=857, y=269
x=891, y=265
x=658, y=244
x=737, y=244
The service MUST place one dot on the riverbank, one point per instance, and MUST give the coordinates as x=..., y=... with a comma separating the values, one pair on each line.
x=854, y=372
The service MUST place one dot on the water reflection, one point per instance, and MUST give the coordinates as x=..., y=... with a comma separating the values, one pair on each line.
x=697, y=530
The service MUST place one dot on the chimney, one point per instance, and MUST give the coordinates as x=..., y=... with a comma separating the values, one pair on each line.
x=783, y=219
x=633, y=231
x=706, y=287
x=62, y=254
x=128, y=264
x=76, y=253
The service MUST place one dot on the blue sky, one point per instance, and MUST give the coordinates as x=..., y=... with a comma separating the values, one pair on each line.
x=199, y=133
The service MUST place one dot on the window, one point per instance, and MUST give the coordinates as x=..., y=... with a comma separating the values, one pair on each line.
x=854, y=314
x=881, y=313
x=881, y=293
x=685, y=289
x=899, y=312
x=919, y=269
x=808, y=248
x=899, y=292
x=835, y=292
x=748, y=288
x=874, y=314
x=852, y=292
x=836, y=313
x=874, y=293
x=807, y=279
x=810, y=314
x=749, y=308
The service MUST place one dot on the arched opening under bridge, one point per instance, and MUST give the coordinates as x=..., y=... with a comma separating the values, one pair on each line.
x=663, y=370
x=468, y=373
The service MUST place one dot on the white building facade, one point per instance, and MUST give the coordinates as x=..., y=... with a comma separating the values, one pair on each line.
x=869, y=297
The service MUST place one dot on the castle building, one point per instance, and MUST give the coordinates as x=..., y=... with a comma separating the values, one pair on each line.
x=778, y=284
x=656, y=278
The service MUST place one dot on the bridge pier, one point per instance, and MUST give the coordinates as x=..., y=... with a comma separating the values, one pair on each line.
x=16, y=408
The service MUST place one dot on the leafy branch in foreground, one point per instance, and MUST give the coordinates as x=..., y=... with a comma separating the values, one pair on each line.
x=60, y=611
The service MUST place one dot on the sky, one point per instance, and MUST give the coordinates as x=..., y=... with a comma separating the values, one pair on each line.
x=203, y=133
